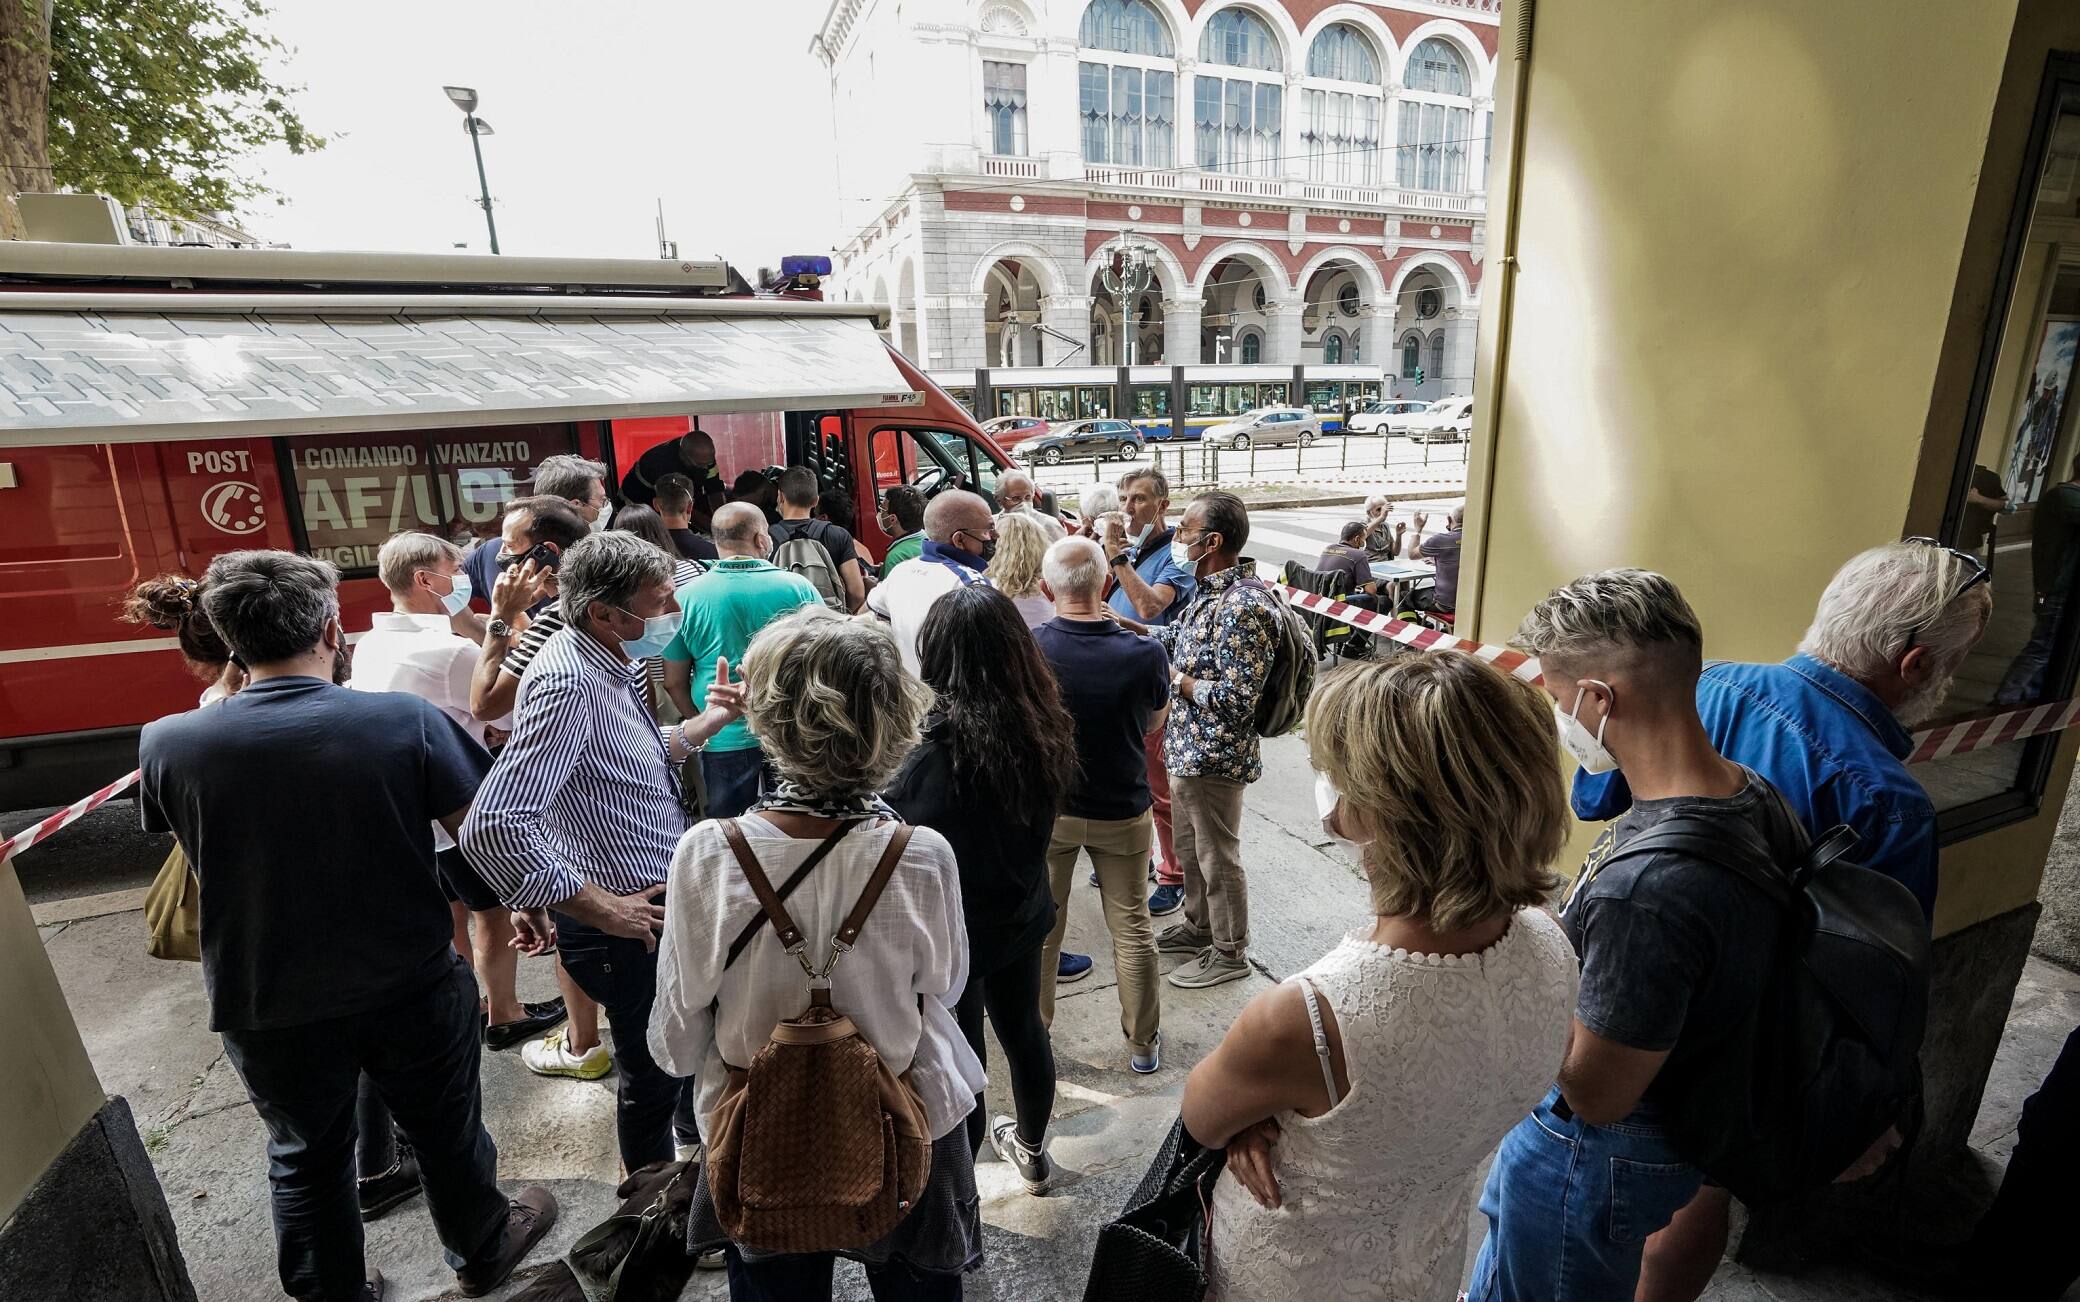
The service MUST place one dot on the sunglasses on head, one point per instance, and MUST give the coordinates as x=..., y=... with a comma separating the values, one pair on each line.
x=1976, y=574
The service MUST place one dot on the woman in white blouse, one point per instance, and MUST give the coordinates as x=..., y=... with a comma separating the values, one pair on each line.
x=835, y=710
x=1358, y=1100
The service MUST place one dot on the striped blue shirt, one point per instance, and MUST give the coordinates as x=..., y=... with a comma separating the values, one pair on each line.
x=584, y=791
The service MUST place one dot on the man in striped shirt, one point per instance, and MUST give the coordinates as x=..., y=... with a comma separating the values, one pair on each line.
x=581, y=813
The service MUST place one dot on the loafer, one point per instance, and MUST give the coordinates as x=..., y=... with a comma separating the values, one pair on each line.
x=1165, y=899
x=379, y=1193
x=1211, y=968
x=1181, y=938
x=530, y=1215
x=1072, y=967
x=540, y=1017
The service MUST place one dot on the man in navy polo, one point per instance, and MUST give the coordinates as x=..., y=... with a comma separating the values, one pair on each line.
x=1829, y=728
x=1150, y=587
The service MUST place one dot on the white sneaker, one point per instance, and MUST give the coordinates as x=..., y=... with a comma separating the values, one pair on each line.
x=551, y=1056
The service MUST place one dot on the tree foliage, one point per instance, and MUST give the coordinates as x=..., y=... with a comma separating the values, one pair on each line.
x=158, y=102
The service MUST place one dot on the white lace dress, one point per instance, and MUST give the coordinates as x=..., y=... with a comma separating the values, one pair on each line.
x=1445, y=1054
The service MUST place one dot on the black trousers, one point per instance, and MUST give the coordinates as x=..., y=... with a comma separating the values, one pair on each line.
x=1010, y=994
x=421, y=1054
x=621, y=976
x=2024, y=1247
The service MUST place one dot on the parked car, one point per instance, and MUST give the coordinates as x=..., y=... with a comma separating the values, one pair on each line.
x=1448, y=420
x=1078, y=439
x=1267, y=426
x=1010, y=430
x=1377, y=416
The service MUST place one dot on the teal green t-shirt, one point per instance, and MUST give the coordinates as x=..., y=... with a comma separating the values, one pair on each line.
x=902, y=549
x=722, y=611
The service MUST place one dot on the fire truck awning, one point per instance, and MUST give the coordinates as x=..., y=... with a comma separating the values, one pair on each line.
x=182, y=366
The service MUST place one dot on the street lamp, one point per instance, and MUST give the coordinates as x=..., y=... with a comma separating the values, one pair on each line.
x=1127, y=275
x=465, y=99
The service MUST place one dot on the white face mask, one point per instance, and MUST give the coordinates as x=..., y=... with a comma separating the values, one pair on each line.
x=1326, y=798
x=658, y=630
x=1181, y=554
x=1588, y=751
x=1140, y=535
x=460, y=590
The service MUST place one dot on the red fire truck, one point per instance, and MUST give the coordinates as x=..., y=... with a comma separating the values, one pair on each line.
x=160, y=406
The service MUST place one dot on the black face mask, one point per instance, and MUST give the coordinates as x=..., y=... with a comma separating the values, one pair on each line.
x=341, y=666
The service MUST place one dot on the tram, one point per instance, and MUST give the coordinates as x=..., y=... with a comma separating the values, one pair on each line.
x=1150, y=396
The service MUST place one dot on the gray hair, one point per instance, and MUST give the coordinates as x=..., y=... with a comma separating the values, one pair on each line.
x=408, y=553
x=830, y=702
x=1889, y=594
x=569, y=477
x=736, y=524
x=1157, y=480
x=1075, y=567
x=270, y=606
x=953, y=510
x=1010, y=477
x=607, y=567
x=1376, y=502
x=1097, y=500
x=1612, y=613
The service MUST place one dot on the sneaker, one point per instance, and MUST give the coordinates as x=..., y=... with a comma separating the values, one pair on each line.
x=528, y=1217
x=538, y=1018
x=1072, y=967
x=1182, y=938
x=1165, y=899
x=549, y=1056
x=1032, y=1164
x=400, y=1184
x=1094, y=877
x=1211, y=968
x=1150, y=1061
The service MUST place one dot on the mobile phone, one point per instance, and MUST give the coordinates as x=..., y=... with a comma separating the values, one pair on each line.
x=542, y=554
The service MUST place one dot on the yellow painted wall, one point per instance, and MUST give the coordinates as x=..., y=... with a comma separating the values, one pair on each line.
x=1754, y=249
x=48, y=1090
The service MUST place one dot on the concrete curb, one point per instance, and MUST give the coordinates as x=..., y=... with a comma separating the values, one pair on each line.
x=1349, y=499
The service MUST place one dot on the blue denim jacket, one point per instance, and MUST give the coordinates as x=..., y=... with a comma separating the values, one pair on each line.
x=1830, y=746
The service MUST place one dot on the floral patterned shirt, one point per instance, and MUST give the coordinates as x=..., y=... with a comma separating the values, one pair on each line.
x=1226, y=640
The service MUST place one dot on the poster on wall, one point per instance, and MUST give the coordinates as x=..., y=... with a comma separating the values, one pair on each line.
x=2043, y=405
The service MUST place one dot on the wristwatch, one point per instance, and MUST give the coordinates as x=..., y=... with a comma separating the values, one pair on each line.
x=1121, y=559
x=499, y=628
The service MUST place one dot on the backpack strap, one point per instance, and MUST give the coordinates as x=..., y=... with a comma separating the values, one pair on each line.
x=1741, y=854
x=770, y=901
x=848, y=931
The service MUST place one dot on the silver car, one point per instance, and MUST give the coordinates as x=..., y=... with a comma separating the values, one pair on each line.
x=1266, y=426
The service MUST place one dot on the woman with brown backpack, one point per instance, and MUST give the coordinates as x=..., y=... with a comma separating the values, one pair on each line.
x=812, y=954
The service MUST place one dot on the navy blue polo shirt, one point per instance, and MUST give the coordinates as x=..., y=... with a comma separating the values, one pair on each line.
x=1113, y=681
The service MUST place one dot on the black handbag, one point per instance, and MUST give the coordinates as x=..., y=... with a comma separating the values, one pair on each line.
x=636, y=1255
x=1156, y=1250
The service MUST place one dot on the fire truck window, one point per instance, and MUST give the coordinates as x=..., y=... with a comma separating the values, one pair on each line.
x=73, y=492
x=356, y=490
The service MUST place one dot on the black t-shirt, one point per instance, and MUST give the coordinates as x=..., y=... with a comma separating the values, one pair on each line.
x=1675, y=951
x=307, y=811
x=1978, y=520
x=833, y=537
x=1352, y=561
x=1113, y=681
x=2052, y=535
x=1002, y=852
x=639, y=485
x=693, y=547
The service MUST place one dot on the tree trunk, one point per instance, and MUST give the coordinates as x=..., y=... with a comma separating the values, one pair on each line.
x=25, y=85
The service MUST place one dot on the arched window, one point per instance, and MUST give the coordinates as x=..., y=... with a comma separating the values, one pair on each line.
x=1437, y=354
x=1332, y=348
x=1357, y=340
x=1411, y=355
x=1127, y=85
x=1238, y=120
x=1251, y=348
x=1340, y=126
x=1004, y=106
x=1436, y=123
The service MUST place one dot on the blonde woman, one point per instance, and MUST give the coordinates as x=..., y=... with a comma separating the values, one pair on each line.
x=836, y=712
x=1022, y=543
x=1358, y=1100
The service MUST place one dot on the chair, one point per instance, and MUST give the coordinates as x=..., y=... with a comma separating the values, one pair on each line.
x=1331, y=636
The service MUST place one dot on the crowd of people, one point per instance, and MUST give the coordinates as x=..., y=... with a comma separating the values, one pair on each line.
x=941, y=739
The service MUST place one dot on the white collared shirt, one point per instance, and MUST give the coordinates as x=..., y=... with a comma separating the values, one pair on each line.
x=422, y=656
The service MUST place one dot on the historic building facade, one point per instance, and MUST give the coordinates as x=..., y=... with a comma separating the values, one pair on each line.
x=1298, y=181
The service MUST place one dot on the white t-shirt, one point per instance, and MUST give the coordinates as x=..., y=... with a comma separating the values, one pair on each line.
x=905, y=597
x=422, y=656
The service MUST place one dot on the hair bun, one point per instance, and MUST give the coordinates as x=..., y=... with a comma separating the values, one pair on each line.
x=167, y=602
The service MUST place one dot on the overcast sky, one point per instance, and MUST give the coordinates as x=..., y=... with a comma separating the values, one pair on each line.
x=600, y=110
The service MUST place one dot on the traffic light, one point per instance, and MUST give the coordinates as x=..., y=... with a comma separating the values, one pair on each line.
x=1419, y=375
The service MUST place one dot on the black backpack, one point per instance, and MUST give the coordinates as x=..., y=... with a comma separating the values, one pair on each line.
x=1830, y=1056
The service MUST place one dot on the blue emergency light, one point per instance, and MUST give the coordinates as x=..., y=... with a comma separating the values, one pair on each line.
x=804, y=264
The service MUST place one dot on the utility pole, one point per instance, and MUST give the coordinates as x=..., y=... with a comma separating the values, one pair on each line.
x=465, y=98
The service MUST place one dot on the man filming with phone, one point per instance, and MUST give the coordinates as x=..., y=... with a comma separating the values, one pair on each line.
x=536, y=533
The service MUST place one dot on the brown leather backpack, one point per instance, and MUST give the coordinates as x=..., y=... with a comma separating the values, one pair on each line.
x=817, y=1146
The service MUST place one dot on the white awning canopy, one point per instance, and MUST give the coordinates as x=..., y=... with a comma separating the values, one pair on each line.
x=127, y=368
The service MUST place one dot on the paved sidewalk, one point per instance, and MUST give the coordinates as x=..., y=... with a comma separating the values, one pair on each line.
x=144, y=1023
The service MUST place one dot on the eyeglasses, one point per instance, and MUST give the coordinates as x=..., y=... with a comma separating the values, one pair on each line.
x=1978, y=574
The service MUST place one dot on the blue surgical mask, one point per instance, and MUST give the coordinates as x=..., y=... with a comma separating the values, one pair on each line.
x=1181, y=554
x=657, y=631
x=456, y=599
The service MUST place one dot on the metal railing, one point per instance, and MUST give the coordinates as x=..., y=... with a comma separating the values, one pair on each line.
x=1194, y=464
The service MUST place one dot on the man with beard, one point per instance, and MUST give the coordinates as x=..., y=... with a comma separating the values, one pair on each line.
x=1829, y=729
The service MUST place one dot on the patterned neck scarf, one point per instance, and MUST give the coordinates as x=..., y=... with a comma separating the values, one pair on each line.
x=787, y=797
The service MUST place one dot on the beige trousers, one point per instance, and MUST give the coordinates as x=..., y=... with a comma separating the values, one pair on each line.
x=1119, y=852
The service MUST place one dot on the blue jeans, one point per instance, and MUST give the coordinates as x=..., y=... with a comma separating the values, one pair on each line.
x=421, y=1054
x=1570, y=1206
x=732, y=779
x=620, y=975
x=802, y=1277
x=2024, y=680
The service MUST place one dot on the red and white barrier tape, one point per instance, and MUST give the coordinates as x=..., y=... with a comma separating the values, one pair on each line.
x=1960, y=738
x=64, y=818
